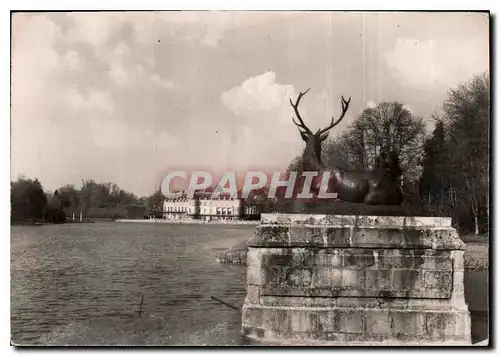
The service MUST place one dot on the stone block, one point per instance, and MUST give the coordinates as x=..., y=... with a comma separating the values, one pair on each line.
x=407, y=323
x=395, y=258
x=349, y=321
x=377, y=280
x=358, y=259
x=308, y=235
x=303, y=321
x=458, y=259
x=252, y=316
x=439, y=280
x=353, y=279
x=326, y=321
x=299, y=277
x=458, y=280
x=271, y=260
x=443, y=325
x=427, y=221
x=407, y=280
x=331, y=257
x=253, y=294
x=377, y=322
x=327, y=277
x=279, y=321
x=254, y=257
x=270, y=235
x=370, y=237
x=337, y=236
x=275, y=276
x=437, y=262
x=254, y=275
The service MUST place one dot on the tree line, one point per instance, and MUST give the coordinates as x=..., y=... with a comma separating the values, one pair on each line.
x=93, y=200
x=444, y=173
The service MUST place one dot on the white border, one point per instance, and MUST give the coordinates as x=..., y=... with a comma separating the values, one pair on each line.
x=163, y=5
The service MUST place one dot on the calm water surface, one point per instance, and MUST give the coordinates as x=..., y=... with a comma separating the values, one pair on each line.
x=81, y=284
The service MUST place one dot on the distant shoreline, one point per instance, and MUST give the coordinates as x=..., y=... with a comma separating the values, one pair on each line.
x=194, y=222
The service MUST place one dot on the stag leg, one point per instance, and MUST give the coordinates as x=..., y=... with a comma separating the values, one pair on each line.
x=375, y=194
x=384, y=196
x=373, y=198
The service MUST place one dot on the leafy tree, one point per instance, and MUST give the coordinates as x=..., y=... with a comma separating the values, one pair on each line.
x=336, y=154
x=28, y=200
x=434, y=183
x=54, y=212
x=155, y=201
x=467, y=115
x=70, y=197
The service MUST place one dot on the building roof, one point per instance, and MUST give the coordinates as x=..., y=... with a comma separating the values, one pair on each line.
x=183, y=196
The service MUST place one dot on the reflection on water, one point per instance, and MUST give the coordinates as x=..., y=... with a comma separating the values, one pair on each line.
x=82, y=284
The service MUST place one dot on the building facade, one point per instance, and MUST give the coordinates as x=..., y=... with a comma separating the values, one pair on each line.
x=207, y=208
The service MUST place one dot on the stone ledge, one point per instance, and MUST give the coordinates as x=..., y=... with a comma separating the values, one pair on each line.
x=359, y=258
x=349, y=302
x=355, y=220
x=343, y=340
x=356, y=293
x=327, y=236
x=358, y=325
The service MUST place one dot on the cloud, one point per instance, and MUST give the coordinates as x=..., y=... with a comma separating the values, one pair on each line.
x=96, y=100
x=261, y=105
x=73, y=61
x=371, y=104
x=258, y=94
x=164, y=83
x=211, y=39
x=93, y=27
x=437, y=62
x=84, y=99
x=107, y=134
x=119, y=74
x=207, y=28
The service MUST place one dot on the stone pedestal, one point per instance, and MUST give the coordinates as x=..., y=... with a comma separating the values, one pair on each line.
x=338, y=279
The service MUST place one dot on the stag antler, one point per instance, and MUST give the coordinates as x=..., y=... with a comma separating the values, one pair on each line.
x=295, y=106
x=345, y=106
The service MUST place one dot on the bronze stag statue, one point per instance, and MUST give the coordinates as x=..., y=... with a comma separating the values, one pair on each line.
x=379, y=187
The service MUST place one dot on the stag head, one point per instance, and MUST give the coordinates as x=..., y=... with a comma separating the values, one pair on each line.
x=322, y=134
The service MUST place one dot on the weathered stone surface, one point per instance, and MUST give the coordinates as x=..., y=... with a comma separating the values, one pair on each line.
x=355, y=220
x=362, y=324
x=336, y=279
x=357, y=236
x=353, y=272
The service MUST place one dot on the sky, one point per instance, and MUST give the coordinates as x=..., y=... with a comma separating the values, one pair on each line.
x=127, y=97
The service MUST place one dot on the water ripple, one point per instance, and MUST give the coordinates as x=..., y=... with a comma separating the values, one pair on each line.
x=81, y=285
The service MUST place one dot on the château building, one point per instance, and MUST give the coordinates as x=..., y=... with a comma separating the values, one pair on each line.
x=205, y=207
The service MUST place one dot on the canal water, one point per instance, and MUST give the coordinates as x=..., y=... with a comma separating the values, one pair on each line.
x=81, y=284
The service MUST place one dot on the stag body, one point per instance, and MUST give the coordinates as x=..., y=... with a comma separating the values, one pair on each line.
x=379, y=187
